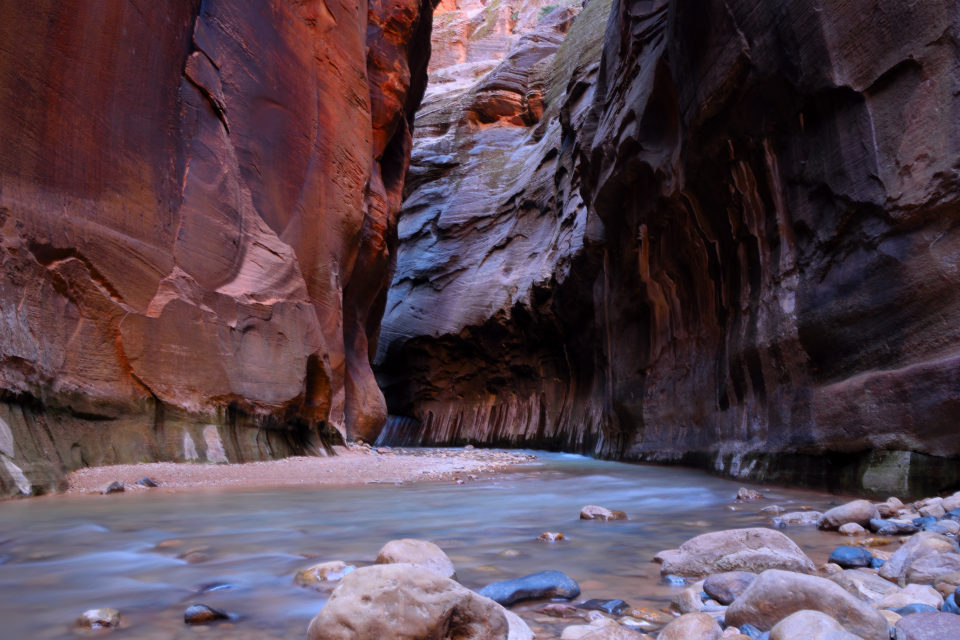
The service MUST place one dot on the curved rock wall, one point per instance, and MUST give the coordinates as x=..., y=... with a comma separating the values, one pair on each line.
x=197, y=220
x=761, y=266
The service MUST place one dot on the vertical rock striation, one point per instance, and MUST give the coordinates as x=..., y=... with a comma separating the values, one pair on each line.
x=758, y=268
x=197, y=218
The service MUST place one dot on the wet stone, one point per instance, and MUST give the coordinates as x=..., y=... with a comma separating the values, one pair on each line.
x=950, y=605
x=613, y=607
x=99, y=619
x=202, y=614
x=550, y=536
x=750, y=631
x=952, y=515
x=673, y=580
x=544, y=584
x=924, y=521
x=745, y=495
x=726, y=587
x=148, y=482
x=851, y=557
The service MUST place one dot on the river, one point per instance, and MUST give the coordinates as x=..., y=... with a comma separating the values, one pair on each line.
x=149, y=553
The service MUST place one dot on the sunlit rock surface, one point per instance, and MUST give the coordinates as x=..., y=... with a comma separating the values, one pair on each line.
x=197, y=213
x=734, y=237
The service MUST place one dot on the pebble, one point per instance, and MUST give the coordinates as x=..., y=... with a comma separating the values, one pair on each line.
x=99, y=619
x=202, y=614
x=851, y=557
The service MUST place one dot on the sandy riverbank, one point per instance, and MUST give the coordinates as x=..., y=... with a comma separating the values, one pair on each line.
x=350, y=466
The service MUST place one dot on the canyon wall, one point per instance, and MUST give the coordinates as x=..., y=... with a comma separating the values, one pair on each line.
x=730, y=240
x=198, y=205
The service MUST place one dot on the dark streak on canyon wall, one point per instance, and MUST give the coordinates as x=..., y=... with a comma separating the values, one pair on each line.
x=198, y=205
x=767, y=282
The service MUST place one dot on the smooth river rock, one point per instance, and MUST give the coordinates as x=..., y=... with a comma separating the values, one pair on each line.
x=776, y=594
x=928, y=626
x=810, y=625
x=692, y=626
x=594, y=512
x=850, y=557
x=727, y=587
x=858, y=511
x=752, y=550
x=921, y=545
x=422, y=553
x=544, y=584
x=406, y=602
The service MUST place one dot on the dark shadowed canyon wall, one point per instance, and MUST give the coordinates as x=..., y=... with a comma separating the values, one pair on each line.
x=197, y=218
x=731, y=239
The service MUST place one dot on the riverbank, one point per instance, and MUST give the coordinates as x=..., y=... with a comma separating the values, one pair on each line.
x=353, y=465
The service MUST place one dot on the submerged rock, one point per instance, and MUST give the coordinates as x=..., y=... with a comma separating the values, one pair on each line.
x=322, y=573
x=99, y=619
x=594, y=512
x=613, y=607
x=544, y=584
x=600, y=627
x=550, y=536
x=202, y=614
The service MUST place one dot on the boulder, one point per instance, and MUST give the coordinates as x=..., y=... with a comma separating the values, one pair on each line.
x=419, y=552
x=892, y=527
x=920, y=545
x=692, y=626
x=544, y=584
x=726, y=587
x=689, y=599
x=859, y=511
x=932, y=568
x=776, y=594
x=406, y=602
x=809, y=625
x=951, y=502
x=735, y=550
x=890, y=508
x=851, y=557
x=911, y=594
x=517, y=629
x=593, y=512
x=864, y=584
x=928, y=626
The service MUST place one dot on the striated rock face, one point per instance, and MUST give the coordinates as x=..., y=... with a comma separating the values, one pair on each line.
x=733, y=242
x=493, y=233
x=197, y=220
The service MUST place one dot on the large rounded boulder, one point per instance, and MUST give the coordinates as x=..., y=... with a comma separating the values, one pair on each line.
x=407, y=602
x=753, y=550
x=422, y=553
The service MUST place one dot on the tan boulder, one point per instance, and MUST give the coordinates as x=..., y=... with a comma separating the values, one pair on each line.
x=952, y=502
x=922, y=544
x=865, y=584
x=776, y=594
x=419, y=552
x=600, y=627
x=406, y=602
x=810, y=625
x=932, y=568
x=692, y=626
x=753, y=550
x=911, y=594
x=859, y=511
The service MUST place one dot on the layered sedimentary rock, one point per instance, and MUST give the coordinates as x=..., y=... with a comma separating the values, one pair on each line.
x=768, y=263
x=197, y=213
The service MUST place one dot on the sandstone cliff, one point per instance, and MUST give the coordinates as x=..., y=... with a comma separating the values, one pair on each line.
x=197, y=219
x=733, y=242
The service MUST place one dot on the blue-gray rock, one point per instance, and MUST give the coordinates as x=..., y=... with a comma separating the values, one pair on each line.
x=952, y=515
x=726, y=587
x=916, y=607
x=876, y=563
x=148, y=482
x=750, y=631
x=613, y=607
x=950, y=605
x=673, y=581
x=202, y=614
x=924, y=521
x=114, y=487
x=851, y=557
x=544, y=584
x=890, y=528
x=936, y=527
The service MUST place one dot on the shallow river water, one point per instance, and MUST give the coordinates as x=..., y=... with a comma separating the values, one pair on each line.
x=148, y=553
